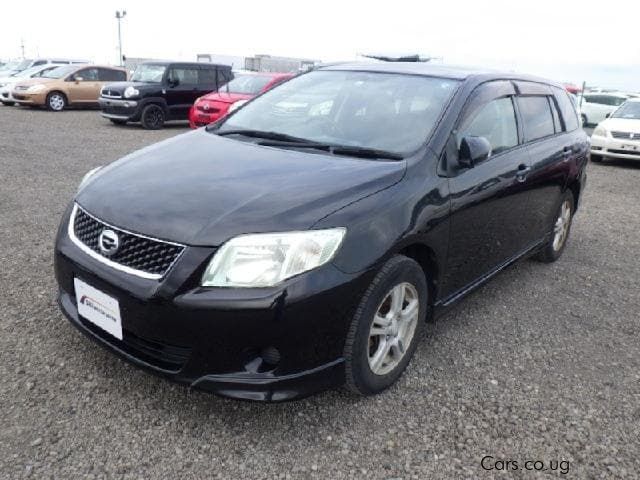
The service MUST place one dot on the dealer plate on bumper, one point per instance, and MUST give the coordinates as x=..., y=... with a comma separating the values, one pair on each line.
x=99, y=308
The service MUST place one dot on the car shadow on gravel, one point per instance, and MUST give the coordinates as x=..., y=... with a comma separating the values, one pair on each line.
x=618, y=162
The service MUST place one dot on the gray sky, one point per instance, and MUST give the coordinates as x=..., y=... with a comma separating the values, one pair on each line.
x=566, y=40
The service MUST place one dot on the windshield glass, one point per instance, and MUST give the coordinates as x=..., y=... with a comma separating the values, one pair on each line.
x=23, y=64
x=390, y=112
x=60, y=71
x=30, y=71
x=628, y=110
x=148, y=73
x=247, y=84
x=9, y=67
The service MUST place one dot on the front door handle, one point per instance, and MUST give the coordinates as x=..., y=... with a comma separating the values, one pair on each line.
x=523, y=171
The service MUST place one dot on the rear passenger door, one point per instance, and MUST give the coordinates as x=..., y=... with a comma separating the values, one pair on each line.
x=551, y=145
x=182, y=90
x=488, y=222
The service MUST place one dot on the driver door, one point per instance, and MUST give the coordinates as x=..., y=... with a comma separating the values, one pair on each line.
x=84, y=86
x=488, y=223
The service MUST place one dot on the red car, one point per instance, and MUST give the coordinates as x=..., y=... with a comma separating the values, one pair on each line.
x=243, y=87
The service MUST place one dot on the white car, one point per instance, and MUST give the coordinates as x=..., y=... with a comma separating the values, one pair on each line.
x=595, y=107
x=7, y=83
x=619, y=135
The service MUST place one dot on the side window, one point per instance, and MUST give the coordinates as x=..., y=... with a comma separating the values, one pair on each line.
x=87, y=74
x=589, y=98
x=496, y=121
x=556, y=118
x=108, y=75
x=207, y=76
x=536, y=117
x=567, y=110
x=616, y=101
x=39, y=62
x=184, y=75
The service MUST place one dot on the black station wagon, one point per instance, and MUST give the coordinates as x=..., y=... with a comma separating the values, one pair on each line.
x=301, y=242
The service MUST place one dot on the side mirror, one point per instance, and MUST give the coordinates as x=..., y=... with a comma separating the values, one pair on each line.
x=607, y=115
x=78, y=79
x=473, y=150
x=174, y=82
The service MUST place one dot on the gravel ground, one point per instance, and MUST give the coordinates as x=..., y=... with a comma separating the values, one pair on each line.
x=540, y=364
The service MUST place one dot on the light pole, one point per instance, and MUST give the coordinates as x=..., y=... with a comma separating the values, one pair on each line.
x=120, y=14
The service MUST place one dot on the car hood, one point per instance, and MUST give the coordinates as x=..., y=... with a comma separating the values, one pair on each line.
x=622, y=125
x=224, y=97
x=35, y=81
x=201, y=189
x=121, y=86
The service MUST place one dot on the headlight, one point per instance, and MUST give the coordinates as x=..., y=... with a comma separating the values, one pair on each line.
x=87, y=176
x=237, y=105
x=263, y=260
x=600, y=131
x=130, y=92
x=2, y=85
x=36, y=88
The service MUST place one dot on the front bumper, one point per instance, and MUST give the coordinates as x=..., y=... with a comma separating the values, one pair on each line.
x=120, y=109
x=615, y=147
x=222, y=340
x=5, y=95
x=24, y=98
x=199, y=118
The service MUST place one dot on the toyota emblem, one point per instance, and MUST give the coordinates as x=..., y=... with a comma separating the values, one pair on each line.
x=109, y=242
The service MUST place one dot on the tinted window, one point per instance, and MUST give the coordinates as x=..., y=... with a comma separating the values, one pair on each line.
x=495, y=121
x=207, y=76
x=567, y=110
x=108, y=75
x=536, y=117
x=184, y=75
x=39, y=62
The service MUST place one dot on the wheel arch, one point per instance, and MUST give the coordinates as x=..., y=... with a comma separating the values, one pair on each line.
x=426, y=257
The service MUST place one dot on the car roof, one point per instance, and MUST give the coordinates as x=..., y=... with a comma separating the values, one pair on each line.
x=456, y=72
x=168, y=62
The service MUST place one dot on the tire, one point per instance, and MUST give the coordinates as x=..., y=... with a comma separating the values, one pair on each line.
x=8, y=104
x=596, y=158
x=367, y=339
x=56, y=101
x=115, y=121
x=560, y=230
x=152, y=117
x=584, y=120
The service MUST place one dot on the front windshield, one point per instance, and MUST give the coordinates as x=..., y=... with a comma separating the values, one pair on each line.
x=385, y=111
x=29, y=72
x=9, y=67
x=148, y=73
x=629, y=110
x=23, y=64
x=247, y=84
x=60, y=71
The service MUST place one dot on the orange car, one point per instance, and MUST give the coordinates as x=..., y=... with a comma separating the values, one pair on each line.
x=67, y=85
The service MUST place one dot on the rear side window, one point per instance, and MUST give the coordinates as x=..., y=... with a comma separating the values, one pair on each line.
x=184, y=75
x=495, y=121
x=207, y=76
x=567, y=110
x=108, y=75
x=536, y=117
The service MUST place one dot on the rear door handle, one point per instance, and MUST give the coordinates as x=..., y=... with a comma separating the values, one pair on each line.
x=523, y=171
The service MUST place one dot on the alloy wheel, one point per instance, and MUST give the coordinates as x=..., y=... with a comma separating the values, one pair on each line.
x=561, y=227
x=393, y=328
x=56, y=102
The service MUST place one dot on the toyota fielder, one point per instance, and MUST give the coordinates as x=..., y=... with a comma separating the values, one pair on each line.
x=301, y=242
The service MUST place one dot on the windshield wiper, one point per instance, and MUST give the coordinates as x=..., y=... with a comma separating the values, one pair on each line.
x=351, y=150
x=264, y=134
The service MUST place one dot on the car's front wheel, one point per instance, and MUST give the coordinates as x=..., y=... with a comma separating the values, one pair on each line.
x=152, y=117
x=386, y=327
x=56, y=101
x=584, y=120
x=560, y=230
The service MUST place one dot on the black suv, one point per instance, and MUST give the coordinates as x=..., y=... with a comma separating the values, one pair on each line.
x=160, y=91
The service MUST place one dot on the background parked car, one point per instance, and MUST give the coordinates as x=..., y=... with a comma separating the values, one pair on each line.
x=243, y=87
x=67, y=85
x=7, y=83
x=619, y=135
x=594, y=107
x=160, y=91
x=16, y=66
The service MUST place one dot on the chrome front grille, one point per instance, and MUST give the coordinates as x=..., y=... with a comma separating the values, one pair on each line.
x=626, y=135
x=108, y=93
x=135, y=254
